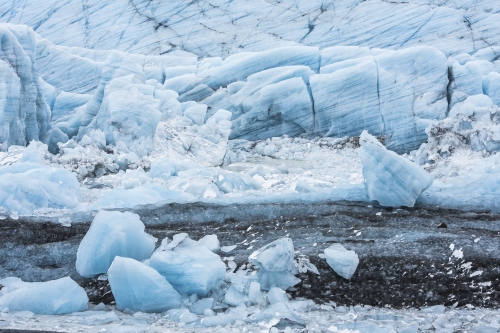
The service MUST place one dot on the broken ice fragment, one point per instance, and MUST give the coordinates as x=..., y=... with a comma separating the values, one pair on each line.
x=277, y=295
x=276, y=263
x=342, y=261
x=138, y=287
x=112, y=234
x=190, y=267
x=390, y=179
x=200, y=306
x=51, y=297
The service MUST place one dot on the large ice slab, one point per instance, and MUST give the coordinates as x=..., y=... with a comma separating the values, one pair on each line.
x=342, y=261
x=189, y=266
x=29, y=185
x=51, y=297
x=390, y=179
x=138, y=287
x=112, y=234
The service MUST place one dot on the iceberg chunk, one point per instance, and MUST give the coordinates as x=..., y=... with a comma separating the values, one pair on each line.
x=276, y=263
x=190, y=267
x=390, y=179
x=138, y=287
x=112, y=234
x=51, y=297
x=342, y=261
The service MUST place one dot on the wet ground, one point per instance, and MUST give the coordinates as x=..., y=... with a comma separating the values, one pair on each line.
x=408, y=257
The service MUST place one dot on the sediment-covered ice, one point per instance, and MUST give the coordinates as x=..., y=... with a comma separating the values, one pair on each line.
x=139, y=287
x=342, y=261
x=390, y=179
x=52, y=297
x=112, y=234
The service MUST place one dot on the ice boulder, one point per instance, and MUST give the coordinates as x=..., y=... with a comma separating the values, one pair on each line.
x=276, y=264
x=189, y=266
x=342, y=261
x=29, y=184
x=138, y=287
x=51, y=297
x=112, y=234
x=390, y=179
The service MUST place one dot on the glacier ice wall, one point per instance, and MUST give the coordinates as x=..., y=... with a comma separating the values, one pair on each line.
x=24, y=114
x=220, y=28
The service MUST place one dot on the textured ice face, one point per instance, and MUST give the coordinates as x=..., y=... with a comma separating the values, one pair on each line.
x=112, y=234
x=390, y=179
x=189, y=266
x=138, y=287
x=24, y=114
x=51, y=297
x=342, y=261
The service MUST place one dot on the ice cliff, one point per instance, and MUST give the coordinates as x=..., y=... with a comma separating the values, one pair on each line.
x=135, y=116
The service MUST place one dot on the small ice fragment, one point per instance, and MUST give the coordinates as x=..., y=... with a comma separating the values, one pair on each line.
x=379, y=214
x=476, y=273
x=277, y=295
x=433, y=309
x=211, y=242
x=477, y=239
x=181, y=316
x=227, y=249
x=202, y=305
x=342, y=261
x=452, y=246
x=458, y=254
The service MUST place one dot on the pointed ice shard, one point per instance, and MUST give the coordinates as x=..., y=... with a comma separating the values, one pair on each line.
x=390, y=179
x=342, y=261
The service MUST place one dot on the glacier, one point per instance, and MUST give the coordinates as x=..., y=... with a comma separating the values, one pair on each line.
x=247, y=109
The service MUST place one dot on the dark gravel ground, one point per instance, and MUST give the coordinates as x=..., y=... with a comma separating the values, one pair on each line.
x=405, y=259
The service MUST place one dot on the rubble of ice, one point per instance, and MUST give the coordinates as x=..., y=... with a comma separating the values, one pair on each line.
x=390, y=179
x=112, y=234
x=29, y=185
x=52, y=297
x=342, y=261
x=138, y=287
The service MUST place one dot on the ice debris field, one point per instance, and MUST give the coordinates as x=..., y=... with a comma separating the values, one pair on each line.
x=108, y=106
